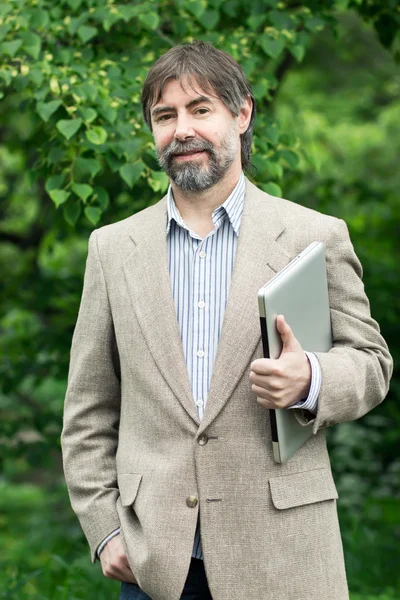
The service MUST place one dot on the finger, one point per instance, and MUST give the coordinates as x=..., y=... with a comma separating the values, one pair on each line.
x=262, y=366
x=290, y=343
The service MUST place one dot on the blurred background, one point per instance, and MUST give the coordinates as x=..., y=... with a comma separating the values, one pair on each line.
x=74, y=155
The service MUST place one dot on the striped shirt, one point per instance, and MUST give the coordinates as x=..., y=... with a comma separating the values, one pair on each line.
x=200, y=271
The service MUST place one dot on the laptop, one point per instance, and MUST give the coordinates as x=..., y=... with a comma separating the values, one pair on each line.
x=300, y=293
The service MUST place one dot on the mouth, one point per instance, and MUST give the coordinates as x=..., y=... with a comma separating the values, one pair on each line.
x=189, y=155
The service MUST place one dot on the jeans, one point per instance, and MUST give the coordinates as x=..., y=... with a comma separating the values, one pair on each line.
x=196, y=587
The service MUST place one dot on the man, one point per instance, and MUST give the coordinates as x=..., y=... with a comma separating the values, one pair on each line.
x=166, y=439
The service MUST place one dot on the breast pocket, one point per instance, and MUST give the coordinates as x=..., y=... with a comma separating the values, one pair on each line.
x=298, y=489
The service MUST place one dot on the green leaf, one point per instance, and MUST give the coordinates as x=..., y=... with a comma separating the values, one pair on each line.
x=86, y=166
x=273, y=189
x=93, y=213
x=71, y=212
x=32, y=43
x=209, y=19
x=195, y=8
x=281, y=19
x=11, y=48
x=74, y=4
x=97, y=135
x=109, y=113
x=83, y=190
x=59, y=196
x=298, y=52
x=101, y=196
x=54, y=183
x=130, y=172
x=255, y=21
x=274, y=169
x=150, y=20
x=290, y=157
x=87, y=91
x=46, y=109
x=272, y=134
x=272, y=47
x=39, y=18
x=159, y=181
x=68, y=127
x=113, y=162
x=88, y=114
x=86, y=33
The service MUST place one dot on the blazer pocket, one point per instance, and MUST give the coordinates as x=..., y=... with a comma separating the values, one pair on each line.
x=303, y=488
x=128, y=484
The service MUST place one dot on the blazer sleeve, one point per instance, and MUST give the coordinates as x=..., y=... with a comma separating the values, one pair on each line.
x=357, y=370
x=89, y=437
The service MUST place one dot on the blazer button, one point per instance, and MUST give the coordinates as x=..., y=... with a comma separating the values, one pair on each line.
x=203, y=439
x=191, y=501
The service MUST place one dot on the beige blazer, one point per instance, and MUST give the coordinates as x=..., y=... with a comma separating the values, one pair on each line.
x=136, y=455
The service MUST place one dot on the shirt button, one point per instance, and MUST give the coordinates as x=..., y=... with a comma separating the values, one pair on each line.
x=199, y=402
x=191, y=501
x=201, y=304
x=202, y=254
x=200, y=353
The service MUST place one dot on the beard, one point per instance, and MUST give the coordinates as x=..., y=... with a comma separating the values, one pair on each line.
x=191, y=175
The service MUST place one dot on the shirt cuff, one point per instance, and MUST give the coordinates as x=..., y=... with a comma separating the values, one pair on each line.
x=107, y=539
x=311, y=402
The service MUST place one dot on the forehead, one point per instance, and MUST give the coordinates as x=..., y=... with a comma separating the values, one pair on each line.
x=184, y=90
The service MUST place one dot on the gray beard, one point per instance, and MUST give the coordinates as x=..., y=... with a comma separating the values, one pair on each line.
x=194, y=177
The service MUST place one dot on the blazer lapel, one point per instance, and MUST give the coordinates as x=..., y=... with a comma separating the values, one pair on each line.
x=259, y=256
x=147, y=276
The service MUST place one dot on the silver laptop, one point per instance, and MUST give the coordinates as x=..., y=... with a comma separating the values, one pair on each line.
x=300, y=293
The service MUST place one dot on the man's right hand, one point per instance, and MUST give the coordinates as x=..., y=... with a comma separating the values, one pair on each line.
x=114, y=561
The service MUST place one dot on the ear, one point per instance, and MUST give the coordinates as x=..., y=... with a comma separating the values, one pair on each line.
x=244, y=116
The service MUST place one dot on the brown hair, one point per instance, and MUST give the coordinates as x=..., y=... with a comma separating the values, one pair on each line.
x=213, y=70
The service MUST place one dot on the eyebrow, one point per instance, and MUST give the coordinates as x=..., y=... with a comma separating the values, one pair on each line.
x=194, y=102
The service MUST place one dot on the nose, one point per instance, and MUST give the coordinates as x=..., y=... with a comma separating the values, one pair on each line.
x=183, y=129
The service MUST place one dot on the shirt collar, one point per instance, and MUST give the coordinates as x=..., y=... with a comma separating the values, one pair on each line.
x=232, y=207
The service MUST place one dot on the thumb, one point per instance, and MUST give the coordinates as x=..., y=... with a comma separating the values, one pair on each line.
x=290, y=343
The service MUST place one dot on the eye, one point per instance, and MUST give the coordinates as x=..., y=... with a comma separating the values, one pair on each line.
x=202, y=111
x=165, y=117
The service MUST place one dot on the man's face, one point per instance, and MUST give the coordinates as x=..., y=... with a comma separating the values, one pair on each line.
x=197, y=138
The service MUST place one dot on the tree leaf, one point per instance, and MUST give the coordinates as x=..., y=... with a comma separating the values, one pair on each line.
x=11, y=48
x=59, y=196
x=195, y=8
x=272, y=47
x=54, y=183
x=97, y=135
x=272, y=134
x=32, y=43
x=209, y=19
x=88, y=114
x=273, y=189
x=86, y=166
x=290, y=157
x=93, y=213
x=83, y=190
x=130, y=172
x=150, y=20
x=71, y=212
x=298, y=52
x=109, y=113
x=46, y=109
x=68, y=127
x=102, y=197
x=86, y=33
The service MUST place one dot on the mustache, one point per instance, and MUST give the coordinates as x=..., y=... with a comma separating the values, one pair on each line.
x=176, y=147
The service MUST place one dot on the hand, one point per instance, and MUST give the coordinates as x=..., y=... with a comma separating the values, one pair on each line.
x=282, y=382
x=114, y=561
